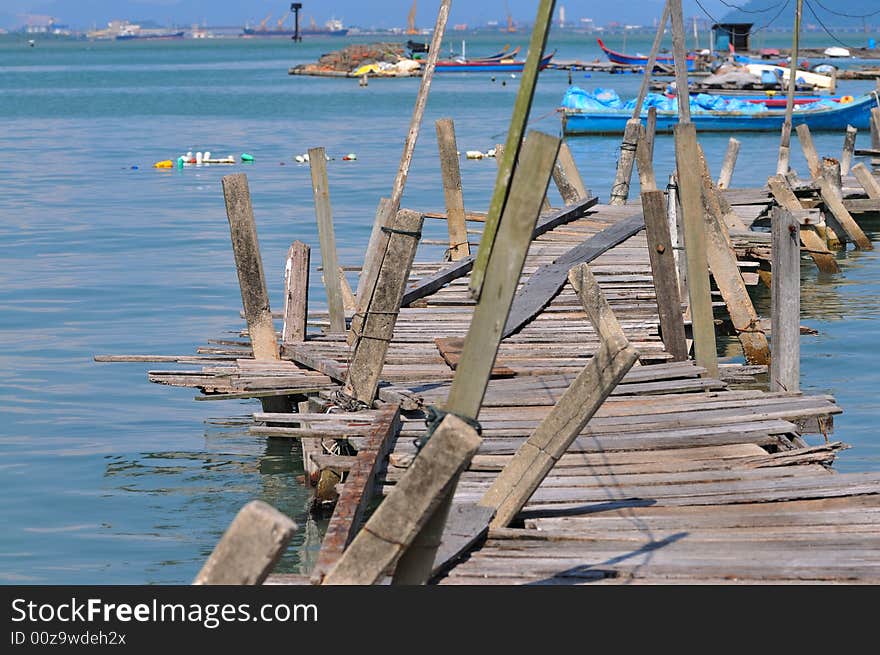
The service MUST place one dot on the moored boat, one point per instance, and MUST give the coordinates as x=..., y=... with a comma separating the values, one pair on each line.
x=640, y=60
x=822, y=115
x=487, y=65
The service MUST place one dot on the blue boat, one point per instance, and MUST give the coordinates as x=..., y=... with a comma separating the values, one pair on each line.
x=819, y=116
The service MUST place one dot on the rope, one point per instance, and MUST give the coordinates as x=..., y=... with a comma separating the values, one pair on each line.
x=751, y=328
x=347, y=403
x=406, y=233
x=434, y=416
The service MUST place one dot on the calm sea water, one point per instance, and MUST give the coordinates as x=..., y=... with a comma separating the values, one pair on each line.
x=108, y=479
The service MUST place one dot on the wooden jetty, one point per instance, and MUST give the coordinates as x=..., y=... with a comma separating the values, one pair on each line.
x=546, y=404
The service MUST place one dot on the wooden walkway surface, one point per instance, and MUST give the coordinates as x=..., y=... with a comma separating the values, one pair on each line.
x=677, y=478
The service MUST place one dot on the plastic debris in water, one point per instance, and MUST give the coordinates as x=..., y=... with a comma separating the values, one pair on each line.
x=349, y=157
x=246, y=157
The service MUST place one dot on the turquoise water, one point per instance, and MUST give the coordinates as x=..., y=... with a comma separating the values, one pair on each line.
x=108, y=479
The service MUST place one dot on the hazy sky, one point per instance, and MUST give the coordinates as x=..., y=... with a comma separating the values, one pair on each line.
x=379, y=13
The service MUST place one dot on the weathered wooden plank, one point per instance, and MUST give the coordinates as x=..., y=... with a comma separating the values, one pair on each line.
x=371, y=344
x=867, y=180
x=849, y=146
x=680, y=60
x=690, y=194
x=391, y=529
x=567, y=178
x=451, y=174
x=647, y=180
x=729, y=163
x=785, y=303
x=327, y=238
x=546, y=282
x=665, y=278
x=250, y=548
x=835, y=206
x=812, y=156
x=296, y=296
x=811, y=240
x=444, y=276
x=358, y=490
x=249, y=264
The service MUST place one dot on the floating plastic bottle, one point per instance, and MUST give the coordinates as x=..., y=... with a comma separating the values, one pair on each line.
x=246, y=157
x=198, y=159
x=166, y=163
x=349, y=157
x=474, y=154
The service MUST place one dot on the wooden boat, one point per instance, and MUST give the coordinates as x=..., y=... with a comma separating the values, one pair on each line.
x=820, y=118
x=639, y=60
x=487, y=65
x=814, y=80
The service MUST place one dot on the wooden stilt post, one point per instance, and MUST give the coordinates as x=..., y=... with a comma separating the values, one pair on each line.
x=809, y=148
x=647, y=181
x=620, y=189
x=849, y=147
x=458, y=240
x=676, y=235
x=785, y=303
x=371, y=343
x=867, y=180
x=680, y=60
x=690, y=191
x=296, y=293
x=715, y=201
x=829, y=187
x=567, y=178
x=381, y=209
x=665, y=278
x=349, y=302
x=875, y=134
x=251, y=279
x=324, y=213
x=729, y=163
x=784, y=160
x=813, y=243
x=250, y=548
x=532, y=462
x=651, y=130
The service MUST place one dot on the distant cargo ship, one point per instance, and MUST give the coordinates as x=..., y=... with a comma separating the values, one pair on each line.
x=122, y=30
x=149, y=34
x=332, y=27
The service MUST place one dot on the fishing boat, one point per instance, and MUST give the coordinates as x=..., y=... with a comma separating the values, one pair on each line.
x=487, y=65
x=640, y=60
x=819, y=116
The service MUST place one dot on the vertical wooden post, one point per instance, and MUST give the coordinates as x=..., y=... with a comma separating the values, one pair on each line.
x=849, y=147
x=251, y=279
x=729, y=163
x=690, y=191
x=296, y=293
x=785, y=303
x=380, y=316
x=321, y=192
x=503, y=271
x=665, y=278
x=867, y=180
x=458, y=239
x=620, y=189
x=680, y=58
x=784, y=160
x=647, y=181
x=651, y=130
x=809, y=148
x=567, y=177
x=676, y=235
x=518, y=122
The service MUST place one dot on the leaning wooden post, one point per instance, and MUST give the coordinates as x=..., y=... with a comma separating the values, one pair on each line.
x=296, y=293
x=251, y=279
x=647, y=181
x=518, y=122
x=652, y=60
x=729, y=163
x=680, y=60
x=832, y=197
x=813, y=243
x=665, y=278
x=458, y=239
x=867, y=180
x=620, y=189
x=690, y=191
x=250, y=548
x=785, y=303
x=387, y=211
x=784, y=159
x=567, y=177
x=849, y=147
x=324, y=213
x=380, y=316
x=533, y=460
x=875, y=133
x=503, y=271
x=809, y=148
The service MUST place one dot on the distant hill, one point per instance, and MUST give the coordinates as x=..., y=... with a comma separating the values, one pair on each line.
x=829, y=12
